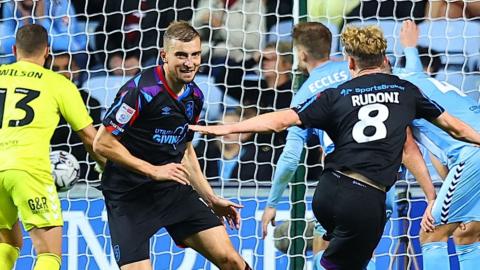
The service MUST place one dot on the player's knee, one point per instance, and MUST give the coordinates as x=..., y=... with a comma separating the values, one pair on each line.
x=47, y=240
x=14, y=242
x=230, y=260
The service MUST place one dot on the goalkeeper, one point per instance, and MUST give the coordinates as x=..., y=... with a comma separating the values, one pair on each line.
x=31, y=101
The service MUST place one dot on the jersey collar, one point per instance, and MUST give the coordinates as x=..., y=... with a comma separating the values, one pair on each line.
x=161, y=75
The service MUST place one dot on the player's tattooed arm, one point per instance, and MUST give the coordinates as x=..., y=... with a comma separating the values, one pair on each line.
x=223, y=208
x=268, y=122
x=413, y=160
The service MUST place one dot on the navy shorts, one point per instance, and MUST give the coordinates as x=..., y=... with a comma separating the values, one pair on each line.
x=135, y=220
x=353, y=214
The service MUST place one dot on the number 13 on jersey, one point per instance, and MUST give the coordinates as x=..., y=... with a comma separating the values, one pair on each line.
x=22, y=104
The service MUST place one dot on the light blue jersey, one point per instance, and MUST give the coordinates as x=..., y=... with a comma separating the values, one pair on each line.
x=438, y=142
x=327, y=75
x=457, y=200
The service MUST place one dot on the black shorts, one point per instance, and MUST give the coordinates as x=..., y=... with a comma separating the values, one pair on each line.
x=133, y=222
x=353, y=214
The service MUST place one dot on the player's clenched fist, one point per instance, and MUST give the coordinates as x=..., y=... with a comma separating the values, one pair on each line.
x=172, y=171
x=409, y=34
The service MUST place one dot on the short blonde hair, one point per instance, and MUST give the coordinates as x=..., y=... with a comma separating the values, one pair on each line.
x=179, y=30
x=366, y=45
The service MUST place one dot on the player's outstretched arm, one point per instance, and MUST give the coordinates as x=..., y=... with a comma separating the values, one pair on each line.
x=105, y=144
x=409, y=39
x=269, y=122
x=87, y=135
x=285, y=169
x=412, y=159
x=457, y=128
x=220, y=206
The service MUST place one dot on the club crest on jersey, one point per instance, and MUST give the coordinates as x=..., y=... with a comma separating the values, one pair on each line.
x=124, y=114
x=189, y=109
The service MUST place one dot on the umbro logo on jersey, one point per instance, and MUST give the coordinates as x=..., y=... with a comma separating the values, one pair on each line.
x=166, y=110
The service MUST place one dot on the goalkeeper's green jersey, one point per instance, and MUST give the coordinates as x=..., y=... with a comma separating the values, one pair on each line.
x=32, y=99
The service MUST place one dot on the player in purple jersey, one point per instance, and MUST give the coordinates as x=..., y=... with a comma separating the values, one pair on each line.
x=366, y=118
x=152, y=178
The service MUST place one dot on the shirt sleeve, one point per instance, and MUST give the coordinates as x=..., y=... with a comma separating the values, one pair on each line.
x=314, y=113
x=425, y=107
x=287, y=164
x=71, y=106
x=413, y=63
x=124, y=110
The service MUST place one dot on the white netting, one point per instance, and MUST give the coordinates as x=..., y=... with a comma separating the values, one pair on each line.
x=110, y=40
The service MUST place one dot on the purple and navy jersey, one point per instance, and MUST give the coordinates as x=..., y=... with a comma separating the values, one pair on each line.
x=366, y=119
x=150, y=120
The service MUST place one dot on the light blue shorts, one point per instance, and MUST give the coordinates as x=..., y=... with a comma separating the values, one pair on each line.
x=459, y=196
x=390, y=206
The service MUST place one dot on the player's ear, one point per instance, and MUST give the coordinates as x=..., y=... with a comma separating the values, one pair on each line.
x=46, y=53
x=386, y=62
x=14, y=49
x=163, y=56
x=352, y=65
x=303, y=55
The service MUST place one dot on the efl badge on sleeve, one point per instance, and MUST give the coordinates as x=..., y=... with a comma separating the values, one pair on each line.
x=124, y=114
x=189, y=109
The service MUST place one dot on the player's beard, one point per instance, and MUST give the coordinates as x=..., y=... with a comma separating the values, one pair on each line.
x=184, y=79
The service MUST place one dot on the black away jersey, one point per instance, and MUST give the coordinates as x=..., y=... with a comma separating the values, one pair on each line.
x=366, y=118
x=151, y=121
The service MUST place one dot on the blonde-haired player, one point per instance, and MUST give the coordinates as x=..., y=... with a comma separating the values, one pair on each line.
x=32, y=99
x=366, y=118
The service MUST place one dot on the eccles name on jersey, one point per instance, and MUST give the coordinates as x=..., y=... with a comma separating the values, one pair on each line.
x=327, y=81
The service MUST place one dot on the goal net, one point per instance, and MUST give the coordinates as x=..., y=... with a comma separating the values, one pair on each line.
x=247, y=69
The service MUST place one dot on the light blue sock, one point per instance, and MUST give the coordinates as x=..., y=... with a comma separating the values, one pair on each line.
x=371, y=264
x=469, y=255
x=316, y=261
x=435, y=256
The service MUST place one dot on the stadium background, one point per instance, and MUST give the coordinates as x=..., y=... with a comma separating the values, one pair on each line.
x=96, y=34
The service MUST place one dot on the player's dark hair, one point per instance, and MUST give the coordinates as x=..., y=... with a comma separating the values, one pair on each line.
x=31, y=39
x=179, y=30
x=314, y=37
x=366, y=45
